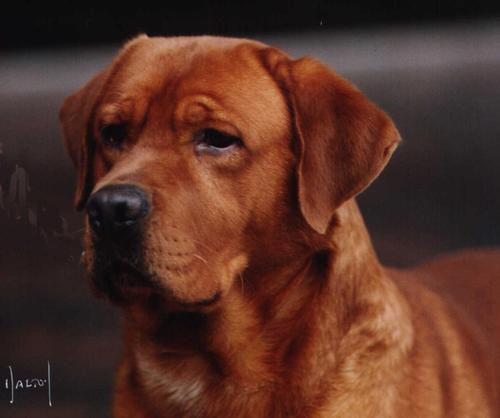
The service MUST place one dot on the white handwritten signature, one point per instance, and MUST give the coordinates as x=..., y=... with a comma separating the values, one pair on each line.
x=13, y=384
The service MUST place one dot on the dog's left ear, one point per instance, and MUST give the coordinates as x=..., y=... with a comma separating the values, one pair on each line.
x=344, y=140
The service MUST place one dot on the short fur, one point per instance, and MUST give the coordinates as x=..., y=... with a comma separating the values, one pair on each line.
x=254, y=290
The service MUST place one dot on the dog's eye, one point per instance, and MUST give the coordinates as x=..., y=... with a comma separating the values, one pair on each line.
x=114, y=135
x=214, y=140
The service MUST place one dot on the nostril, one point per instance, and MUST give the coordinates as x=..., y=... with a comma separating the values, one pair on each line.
x=92, y=210
x=96, y=224
x=129, y=210
x=94, y=213
x=123, y=212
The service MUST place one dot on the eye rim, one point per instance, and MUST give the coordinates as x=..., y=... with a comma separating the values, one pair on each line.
x=216, y=141
x=113, y=134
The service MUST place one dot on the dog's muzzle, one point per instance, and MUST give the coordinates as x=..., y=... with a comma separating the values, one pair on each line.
x=117, y=216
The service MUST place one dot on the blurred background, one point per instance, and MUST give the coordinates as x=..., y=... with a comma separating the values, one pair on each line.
x=433, y=66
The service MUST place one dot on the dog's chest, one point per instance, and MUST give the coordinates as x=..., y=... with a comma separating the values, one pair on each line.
x=186, y=390
x=175, y=385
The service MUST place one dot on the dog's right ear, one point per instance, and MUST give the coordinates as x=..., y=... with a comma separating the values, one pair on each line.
x=76, y=116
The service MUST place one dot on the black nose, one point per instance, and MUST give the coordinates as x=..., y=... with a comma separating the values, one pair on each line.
x=117, y=208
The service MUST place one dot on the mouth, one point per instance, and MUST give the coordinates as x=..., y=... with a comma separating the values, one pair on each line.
x=204, y=303
x=118, y=277
x=126, y=280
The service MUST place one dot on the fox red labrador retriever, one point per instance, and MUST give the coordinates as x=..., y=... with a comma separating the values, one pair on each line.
x=218, y=177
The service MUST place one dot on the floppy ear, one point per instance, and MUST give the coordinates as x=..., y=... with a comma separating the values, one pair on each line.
x=75, y=117
x=344, y=140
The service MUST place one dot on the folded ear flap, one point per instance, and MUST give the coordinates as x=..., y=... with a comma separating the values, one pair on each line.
x=75, y=117
x=344, y=140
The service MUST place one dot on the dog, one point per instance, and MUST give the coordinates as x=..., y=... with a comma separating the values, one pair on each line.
x=219, y=178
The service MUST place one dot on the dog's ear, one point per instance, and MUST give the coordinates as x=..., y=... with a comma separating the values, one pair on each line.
x=343, y=140
x=76, y=117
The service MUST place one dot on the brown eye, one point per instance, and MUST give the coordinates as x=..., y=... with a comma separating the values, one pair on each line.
x=212, y=140
x=114, y=135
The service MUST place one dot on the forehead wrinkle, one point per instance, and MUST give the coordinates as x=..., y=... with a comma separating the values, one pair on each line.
x=194, y=109
x=246, y=91
x=165, y=70
x=157, y=60
x=166, y=62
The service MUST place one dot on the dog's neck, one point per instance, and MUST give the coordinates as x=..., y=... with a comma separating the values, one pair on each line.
x=292, y=306
x=271, y=329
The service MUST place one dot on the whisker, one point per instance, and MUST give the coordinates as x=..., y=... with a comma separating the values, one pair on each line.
x=242, y=282
x=200, y=258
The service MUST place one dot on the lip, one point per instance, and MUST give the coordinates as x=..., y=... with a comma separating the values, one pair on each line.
x=120, y=277
x=130, y=276
x=204, y=303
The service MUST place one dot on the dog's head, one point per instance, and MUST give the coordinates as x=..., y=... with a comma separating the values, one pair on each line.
x=200, y=157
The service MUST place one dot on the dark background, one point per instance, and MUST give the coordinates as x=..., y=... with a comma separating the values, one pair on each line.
x=32, y=24
x=433, y=66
